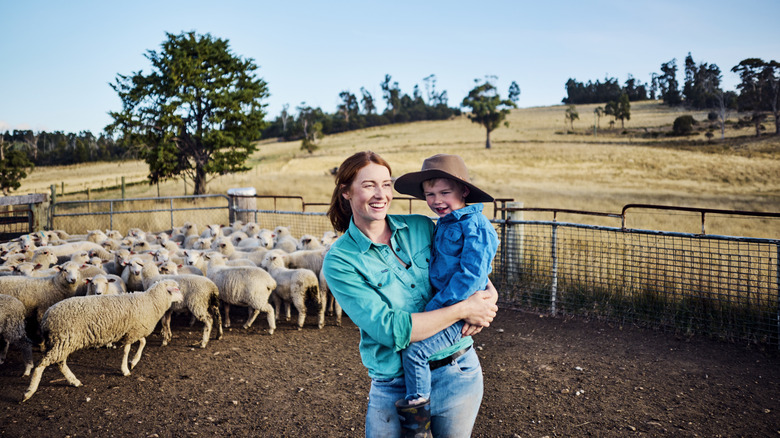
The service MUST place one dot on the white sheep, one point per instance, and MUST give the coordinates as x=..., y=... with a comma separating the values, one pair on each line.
x=131, y=275
x=38, y=294
x=296, y=286
x=332, y=307
x=307, y=241
x=12, y=330
x=284, y=240
x=214, y=231
x=105, y=285
x=201, y=298
x=242, y=286
x=226, y=248
x=82, y=322
x=328, y=238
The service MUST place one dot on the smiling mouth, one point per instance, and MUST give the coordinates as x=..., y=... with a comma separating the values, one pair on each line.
x=377, y=204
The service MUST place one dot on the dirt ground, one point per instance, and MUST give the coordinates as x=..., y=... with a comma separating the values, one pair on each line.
x=544, y=377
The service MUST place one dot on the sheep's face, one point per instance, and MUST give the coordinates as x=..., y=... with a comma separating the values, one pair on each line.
x=136, y=266
x=70, y=272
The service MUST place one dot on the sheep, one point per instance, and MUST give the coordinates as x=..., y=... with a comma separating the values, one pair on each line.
x=12, y=330
x=202, y=243
x=201, y=298
x=31, y=269
x=296, y=286
x=131, y=275
x=332, y=306
x=227, y=249
x=64, y=252
x=82, y=322
x=306, y=259
x=328, y=238
x=96, y=236
x=284, y=240
x=214, y=231
x=44, y=257
x=181, y=234
x=105, y=285
x=38, y=294
x=307, y=241
x=237, y=237
x=119, y=259
x=243, y=286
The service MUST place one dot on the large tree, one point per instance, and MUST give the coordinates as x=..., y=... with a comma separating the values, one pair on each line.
x=759, y=90
x=14, y=166
x=488, y=108
x=196, y=114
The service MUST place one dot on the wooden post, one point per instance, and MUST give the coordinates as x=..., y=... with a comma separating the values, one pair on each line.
x=53, y=193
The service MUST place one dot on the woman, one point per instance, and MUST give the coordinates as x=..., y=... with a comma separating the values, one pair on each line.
x=378, y=271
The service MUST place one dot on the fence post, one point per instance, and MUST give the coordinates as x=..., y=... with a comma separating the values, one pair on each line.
x=515, y=239
x=554, y=285
x=777, y=283
x=242, y=198
x=53, y=189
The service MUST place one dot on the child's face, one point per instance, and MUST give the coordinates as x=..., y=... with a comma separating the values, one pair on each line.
x=444, y=195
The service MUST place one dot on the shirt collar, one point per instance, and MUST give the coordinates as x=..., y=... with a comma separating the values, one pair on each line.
x=469, y=209
x=364, y=243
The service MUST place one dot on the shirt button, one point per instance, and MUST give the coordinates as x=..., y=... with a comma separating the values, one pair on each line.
x=380, y=285
x=398, y=249
x=412, y=286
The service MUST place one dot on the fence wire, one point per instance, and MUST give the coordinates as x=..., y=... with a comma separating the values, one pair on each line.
x=721, y=286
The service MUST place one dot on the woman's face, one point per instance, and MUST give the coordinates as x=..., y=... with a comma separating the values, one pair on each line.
x=370, y=194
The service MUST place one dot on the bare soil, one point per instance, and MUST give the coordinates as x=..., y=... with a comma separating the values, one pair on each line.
x=544, y=376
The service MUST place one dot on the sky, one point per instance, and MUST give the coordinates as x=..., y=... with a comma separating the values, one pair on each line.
x=57, y=58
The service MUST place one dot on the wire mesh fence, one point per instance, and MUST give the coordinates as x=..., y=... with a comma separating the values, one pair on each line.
x=721, y=286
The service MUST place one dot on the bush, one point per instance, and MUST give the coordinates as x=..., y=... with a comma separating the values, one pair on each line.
x=683, y=125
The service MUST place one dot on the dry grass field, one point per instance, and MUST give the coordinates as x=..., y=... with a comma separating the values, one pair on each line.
x=535, y=160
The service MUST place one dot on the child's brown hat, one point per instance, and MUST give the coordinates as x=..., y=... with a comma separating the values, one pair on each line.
x=440, y=166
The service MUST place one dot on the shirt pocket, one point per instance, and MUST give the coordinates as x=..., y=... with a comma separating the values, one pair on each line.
x=380, y=279
x=452, y=242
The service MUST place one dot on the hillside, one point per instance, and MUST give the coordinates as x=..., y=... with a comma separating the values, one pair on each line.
x=534, y=161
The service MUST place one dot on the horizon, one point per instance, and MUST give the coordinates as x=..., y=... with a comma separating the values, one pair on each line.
x=63, y=56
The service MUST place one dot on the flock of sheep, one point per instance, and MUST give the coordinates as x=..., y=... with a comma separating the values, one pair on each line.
x=105, y=288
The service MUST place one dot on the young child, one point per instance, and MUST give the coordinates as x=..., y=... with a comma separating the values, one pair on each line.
x=464, y=245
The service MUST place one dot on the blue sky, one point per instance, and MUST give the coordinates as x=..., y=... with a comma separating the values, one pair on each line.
x=58, y=58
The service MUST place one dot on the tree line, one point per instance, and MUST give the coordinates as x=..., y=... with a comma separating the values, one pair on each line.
x=360, y=111
x=757, y=94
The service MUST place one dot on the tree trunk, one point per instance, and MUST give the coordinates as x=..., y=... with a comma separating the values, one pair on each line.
x=200, y=181
x=487, y=141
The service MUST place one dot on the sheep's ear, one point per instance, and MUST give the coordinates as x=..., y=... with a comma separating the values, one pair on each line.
x=112, y=280
x=88, y=279
x=38, y=266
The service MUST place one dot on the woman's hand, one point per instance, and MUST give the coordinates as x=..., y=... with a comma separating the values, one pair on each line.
x=481, y=308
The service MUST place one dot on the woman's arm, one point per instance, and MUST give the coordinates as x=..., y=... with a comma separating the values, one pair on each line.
x=478, y=311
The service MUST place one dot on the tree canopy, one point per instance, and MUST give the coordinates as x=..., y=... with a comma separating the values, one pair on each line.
x=488, y=108
x=196, y=114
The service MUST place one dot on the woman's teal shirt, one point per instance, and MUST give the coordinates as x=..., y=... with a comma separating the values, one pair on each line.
x=379, y=294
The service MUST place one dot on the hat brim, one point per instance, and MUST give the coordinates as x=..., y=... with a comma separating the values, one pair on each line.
x=411, y=184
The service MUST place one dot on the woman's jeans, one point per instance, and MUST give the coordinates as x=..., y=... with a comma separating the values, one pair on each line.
x=455, y=400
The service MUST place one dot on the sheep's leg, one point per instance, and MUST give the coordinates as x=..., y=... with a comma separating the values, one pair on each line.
x=277, y=302
x=69, y=376
x=4, y=352
x=27, y=355
x=35, y=380
x=287, y=310
x=226, y=306
x=252, y=316
x=337, y=309
x=165, y=322
x=300, y=306
x=206, y=332
x=126, y=354
x=217, y=320
x=137, y=357
x=271, y=316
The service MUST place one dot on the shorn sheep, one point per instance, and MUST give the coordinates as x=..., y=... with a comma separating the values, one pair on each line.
x=295, y=286
x=12, y=330
x=82, y=322
x=201, y=298
x=242, y=286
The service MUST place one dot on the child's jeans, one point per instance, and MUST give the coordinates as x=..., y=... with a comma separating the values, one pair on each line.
x=417, y=373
